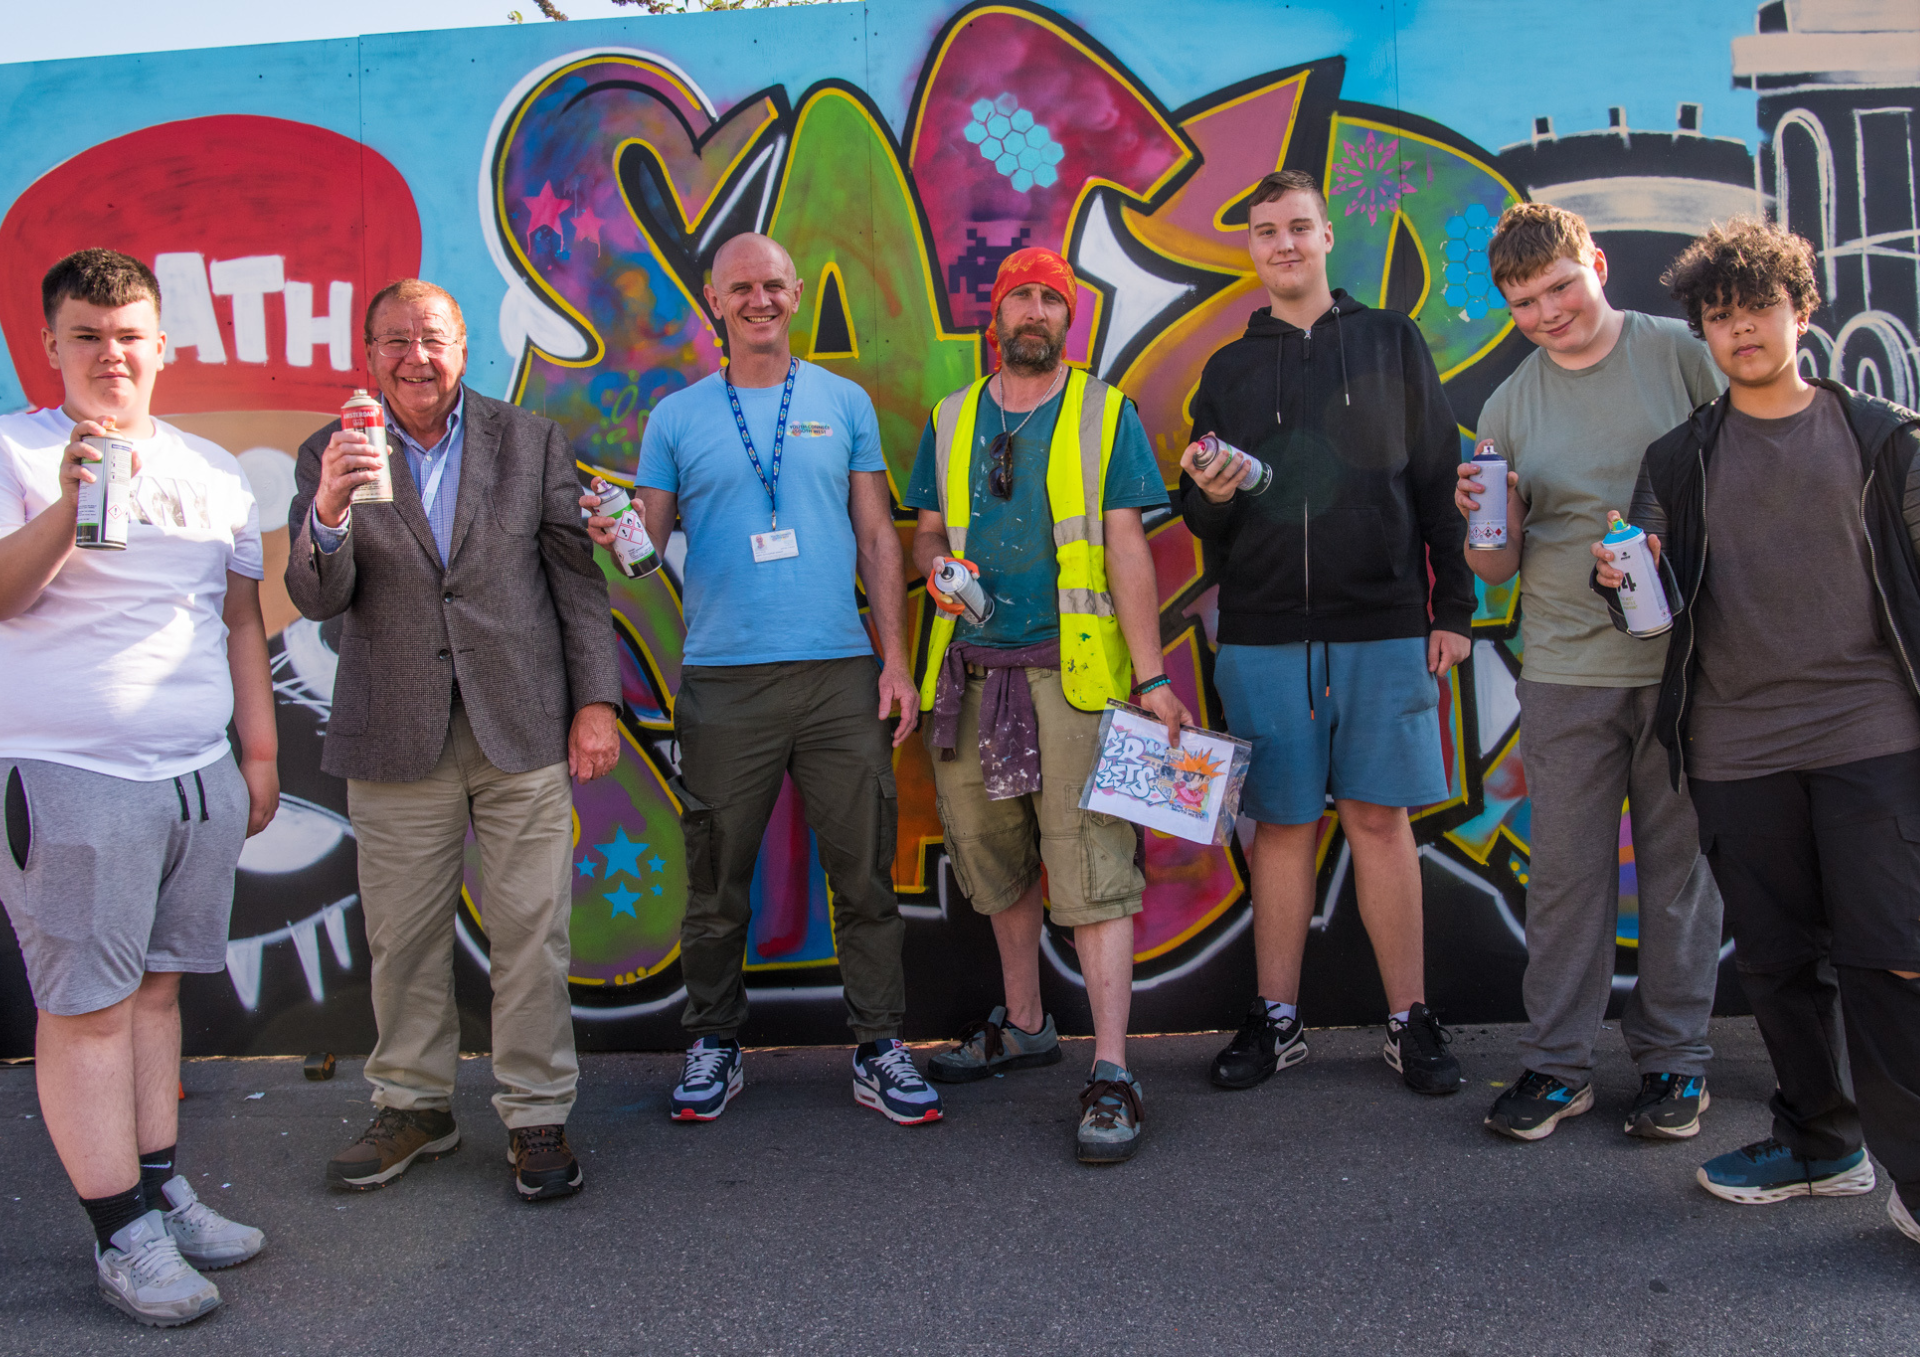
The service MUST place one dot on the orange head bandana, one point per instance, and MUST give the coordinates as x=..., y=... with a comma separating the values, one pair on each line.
x=1031, y=265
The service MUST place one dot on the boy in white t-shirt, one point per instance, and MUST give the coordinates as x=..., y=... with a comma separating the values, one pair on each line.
x=124, y=810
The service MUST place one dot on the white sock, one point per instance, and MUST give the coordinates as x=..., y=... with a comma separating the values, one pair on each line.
x=1402, y=1016
x=1279, y=1012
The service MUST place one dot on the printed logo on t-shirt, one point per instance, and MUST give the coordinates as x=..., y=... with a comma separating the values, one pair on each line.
x=809, y=428
x=168, y=502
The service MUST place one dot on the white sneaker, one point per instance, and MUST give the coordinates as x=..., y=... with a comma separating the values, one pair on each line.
x=1898, y=1213
x=206, y=1238
x=144, y=1275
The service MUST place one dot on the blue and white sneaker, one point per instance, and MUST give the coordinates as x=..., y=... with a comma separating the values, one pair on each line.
x=884, y=1078
x=712, y=1079
x=1767, y=1171
x=1535, y=1105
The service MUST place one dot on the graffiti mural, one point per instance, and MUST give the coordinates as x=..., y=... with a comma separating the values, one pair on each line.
x=573, y=198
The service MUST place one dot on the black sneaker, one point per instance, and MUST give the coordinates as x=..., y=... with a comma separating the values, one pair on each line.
x=1535, y=1105
x=1418, y=1049
x=1262, y=1045
x=1668, y=1106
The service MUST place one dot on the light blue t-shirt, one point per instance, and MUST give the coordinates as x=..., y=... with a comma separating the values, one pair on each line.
x=803, y=607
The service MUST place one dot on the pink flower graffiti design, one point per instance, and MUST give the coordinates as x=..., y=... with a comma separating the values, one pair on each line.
x=1373, y=174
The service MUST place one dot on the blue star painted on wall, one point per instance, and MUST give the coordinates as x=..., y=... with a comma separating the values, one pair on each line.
x=586, y=866
x=659, y=890
x=622, y=901
x=622, y=854
x=656, y=863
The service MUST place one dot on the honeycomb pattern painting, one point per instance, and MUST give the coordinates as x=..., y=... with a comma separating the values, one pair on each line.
x=1020, y=148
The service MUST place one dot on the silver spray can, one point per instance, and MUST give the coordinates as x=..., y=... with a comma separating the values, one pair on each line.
x=1643, y=599
x=106, y=506
x=632, y=546
x=1487, y=525
x=956, y=581
x=1259, y=475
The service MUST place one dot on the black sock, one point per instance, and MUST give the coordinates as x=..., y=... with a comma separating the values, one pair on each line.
x=156, y=1168
x=112, y=1214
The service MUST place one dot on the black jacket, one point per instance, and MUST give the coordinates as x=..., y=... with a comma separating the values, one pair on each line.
x=1674, y=476
x=1363, y=445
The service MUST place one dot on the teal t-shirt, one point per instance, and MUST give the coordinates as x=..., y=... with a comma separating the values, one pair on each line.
x=1011, y=540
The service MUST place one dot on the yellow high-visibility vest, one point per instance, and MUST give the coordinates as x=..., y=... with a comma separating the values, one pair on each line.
x=1094, y=663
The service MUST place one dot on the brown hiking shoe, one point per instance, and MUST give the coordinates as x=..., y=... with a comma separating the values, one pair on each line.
x=543, y=1163
x=390, y=1145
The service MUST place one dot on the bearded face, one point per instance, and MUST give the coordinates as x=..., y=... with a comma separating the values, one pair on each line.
x=1032, y=326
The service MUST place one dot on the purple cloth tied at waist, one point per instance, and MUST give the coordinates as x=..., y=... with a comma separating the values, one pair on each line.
x=1009, y=731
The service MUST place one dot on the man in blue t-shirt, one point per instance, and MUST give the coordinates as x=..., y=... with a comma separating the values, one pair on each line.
x=773, y=467
x=1002, y=482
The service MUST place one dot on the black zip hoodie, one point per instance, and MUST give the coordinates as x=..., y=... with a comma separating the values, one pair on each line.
x=1364, y=449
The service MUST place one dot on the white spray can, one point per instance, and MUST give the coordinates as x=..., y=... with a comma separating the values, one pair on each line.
x=1643, y=599
x=1487, y=525
x=363, y=414
x=105, y=507
x=956, y=581
x=1259, y=475
x=632, y=546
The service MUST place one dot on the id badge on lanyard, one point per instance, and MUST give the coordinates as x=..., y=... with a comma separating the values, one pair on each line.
x=777, y=543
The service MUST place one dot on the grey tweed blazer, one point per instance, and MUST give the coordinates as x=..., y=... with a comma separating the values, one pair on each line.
x=519, y=614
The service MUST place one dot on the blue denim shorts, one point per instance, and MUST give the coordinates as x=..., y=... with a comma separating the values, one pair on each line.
x=1359, y=719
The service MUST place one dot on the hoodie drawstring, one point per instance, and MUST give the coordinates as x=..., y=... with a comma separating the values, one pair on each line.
x=1340, y=343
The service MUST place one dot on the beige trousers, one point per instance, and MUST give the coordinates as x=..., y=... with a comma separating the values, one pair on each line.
x=412, y=853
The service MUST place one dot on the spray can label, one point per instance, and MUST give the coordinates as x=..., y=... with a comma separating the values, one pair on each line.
x=1643, y=599
x=632, y=546
x=1259, y=475
x=363, y=414
x=958, y=582
x=1487, y=525
x=106, y=506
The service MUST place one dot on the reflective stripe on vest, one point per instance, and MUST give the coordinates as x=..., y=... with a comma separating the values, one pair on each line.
x=1094, y=662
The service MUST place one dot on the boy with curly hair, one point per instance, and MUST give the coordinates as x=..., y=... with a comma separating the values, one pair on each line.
x=1791, y=704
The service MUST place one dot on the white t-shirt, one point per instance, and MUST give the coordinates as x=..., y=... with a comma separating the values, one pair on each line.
x=120, y=666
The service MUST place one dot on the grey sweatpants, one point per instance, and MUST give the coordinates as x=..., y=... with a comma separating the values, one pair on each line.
x=1585, y=750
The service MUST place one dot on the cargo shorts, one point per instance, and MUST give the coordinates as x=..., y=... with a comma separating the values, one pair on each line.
x=997, y=848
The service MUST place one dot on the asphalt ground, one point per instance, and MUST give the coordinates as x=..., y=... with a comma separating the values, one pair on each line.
x=1328, y=1212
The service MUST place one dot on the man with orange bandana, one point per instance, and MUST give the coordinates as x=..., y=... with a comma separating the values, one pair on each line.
x=1035, y=477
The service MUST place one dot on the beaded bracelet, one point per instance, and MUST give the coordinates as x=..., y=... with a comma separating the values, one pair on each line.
x=1142, y=689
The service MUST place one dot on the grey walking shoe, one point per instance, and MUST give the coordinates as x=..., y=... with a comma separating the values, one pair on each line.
x=1110, y=1116
x=144, y=1275
x=993, y=1047
x=206, y=1238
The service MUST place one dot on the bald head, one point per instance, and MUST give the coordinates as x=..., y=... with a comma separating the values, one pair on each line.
x=755, y=292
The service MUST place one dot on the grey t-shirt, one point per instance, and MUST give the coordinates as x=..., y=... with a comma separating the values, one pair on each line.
x=1793, y=670
x=1577, y=439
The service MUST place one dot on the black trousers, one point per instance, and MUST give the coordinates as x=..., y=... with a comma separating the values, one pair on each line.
x=1820, y=870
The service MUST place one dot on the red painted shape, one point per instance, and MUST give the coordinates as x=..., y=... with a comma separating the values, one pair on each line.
x=230, y=187
x=1107, y=126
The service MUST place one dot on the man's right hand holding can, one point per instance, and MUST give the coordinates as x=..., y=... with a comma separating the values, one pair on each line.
x=348, y=462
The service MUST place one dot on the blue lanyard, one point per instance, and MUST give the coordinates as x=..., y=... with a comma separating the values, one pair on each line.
x=779, y=435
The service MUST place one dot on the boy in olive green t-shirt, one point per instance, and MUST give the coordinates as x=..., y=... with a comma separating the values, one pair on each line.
x=1573, y=422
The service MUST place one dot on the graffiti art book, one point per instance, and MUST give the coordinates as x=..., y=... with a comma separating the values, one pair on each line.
x=1191, y=791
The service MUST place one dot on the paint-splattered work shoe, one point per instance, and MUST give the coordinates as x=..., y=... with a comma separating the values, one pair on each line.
x=712, y=1078
x=1110, y=1116
x=994, y=1047
x=1767, y=1171
x=884, y=1078
x=1668, y=1106
x=206, y=1238
x=1535, y=1105
x=144, y=1276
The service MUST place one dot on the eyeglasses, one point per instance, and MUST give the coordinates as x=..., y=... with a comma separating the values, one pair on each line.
x=1000, y=475
x=399, y=346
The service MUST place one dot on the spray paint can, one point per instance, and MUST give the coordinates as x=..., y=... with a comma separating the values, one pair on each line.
x=956, y=581
x=1643, y=599
x=632, y=547
x=363, y=414
x=106, y=506
x=1487, y=525
x=1259, y=475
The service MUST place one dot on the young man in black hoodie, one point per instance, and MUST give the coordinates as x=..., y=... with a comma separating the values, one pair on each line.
x=1790, y=704
x=1328, y=660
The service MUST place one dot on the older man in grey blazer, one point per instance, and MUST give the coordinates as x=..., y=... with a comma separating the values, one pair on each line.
x=477, y=672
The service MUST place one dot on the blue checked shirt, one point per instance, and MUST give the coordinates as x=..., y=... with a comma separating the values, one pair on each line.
x=437, y=499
